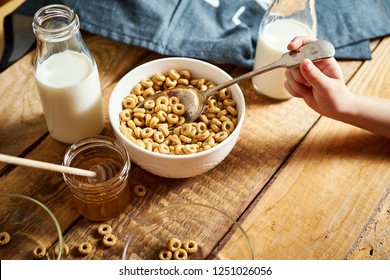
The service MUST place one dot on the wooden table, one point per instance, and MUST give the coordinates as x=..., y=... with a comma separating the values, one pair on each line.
x=302, y=186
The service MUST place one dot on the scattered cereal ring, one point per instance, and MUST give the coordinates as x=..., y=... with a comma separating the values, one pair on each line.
x=104, y=229
x=173, y=244
x=85, y=248
x=65, y=249
x=109, y=240
x=5, y=238
x=139, y=190
x=190, y=246
x=39, y=252
x=165, y=254
x=180, y=254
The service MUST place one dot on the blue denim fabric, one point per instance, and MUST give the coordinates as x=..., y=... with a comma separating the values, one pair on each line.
x=221, y=30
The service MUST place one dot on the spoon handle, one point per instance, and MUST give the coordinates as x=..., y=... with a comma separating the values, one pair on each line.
x=46, y=165
x=258, y=71
x=315, y=51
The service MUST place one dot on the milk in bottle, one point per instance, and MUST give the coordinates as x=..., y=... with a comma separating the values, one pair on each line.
x=66, y=76
x=284, y=20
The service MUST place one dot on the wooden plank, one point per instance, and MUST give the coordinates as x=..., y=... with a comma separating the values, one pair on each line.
x=271, y=131
x=374, y=242
x=318, y=203
x=22, y=121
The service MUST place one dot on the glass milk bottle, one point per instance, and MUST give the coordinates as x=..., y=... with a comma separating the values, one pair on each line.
x=284, y=20
x=66, y=76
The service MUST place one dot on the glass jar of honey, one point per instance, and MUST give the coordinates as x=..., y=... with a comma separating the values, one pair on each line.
x=107, y=194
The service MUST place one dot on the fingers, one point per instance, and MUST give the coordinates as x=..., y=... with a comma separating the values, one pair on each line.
x=299, y=41
x=296, y=74
x=312, y=74
x=296, y=88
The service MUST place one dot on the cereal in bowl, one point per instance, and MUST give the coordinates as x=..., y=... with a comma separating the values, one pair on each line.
x=150, y=127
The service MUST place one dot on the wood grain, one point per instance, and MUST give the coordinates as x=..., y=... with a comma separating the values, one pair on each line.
x=319, y=201
x=292, y=174
x=22, y=122
x=374, y=242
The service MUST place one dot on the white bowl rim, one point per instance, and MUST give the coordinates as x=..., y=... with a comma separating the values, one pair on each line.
x=187, y=156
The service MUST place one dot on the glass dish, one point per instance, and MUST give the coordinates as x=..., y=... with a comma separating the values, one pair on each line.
x=28, y=224
x=207, y=226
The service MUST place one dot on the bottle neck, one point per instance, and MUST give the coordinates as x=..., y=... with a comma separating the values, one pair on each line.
x=55, y=23
x=57, y=29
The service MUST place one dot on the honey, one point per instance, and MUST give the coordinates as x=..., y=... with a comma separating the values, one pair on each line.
x=107, y=195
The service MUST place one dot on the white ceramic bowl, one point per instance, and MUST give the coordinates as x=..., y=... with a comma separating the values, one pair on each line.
x=175, y=166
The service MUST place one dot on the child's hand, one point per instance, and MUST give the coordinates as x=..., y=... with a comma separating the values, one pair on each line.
x=320, y=84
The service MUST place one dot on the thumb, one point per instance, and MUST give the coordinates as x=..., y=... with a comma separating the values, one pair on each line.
x=312, y=74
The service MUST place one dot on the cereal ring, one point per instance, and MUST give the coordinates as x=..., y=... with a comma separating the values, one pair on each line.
x=214, y=110
x=174, y=139
x=190, y=246
x=138, y=89
x=165, y=254
x=164, y=129
x=139, y=190
x=203, y=88
x=147, y=132
x=185, y=74
x=129, y=103
x=139, y=121
x=173, y=74
x=85, y=248
x=149, y=145
x=203, y=135
x=140, y=98
x=183, y=82
x=232, y=111
x=125, y=115
x=216, y=121
x=162, y=115
x=179, y=149
x=5, y=238
x=163, y=149
x=185, y=139
x=65, y=249
x=161, y=107
x=229, y=102
x=170, y=83
x=159, y=77
x=159, y=137
x=162, y=100
x=215, y=127
x=104, y=229
x=173, y=244
x=228, y=126
x=220, y=136
x=181, y=121
x=147, y=83
x=178, y=109
x=224, y=94
x=172, y=118
x=39, y=252
x=109, y=240
x=180, y=254
x=139, y=115
x=149, y=104
x=190, y=149
x=148, y=92
x=154, y=121
x=187, y=130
